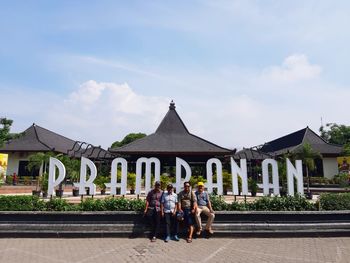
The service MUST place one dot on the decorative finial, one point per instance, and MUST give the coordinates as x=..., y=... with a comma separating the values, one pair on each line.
x=172, y=105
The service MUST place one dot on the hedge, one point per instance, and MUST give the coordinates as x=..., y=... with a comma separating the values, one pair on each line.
x=333, y=201
x=297, y=203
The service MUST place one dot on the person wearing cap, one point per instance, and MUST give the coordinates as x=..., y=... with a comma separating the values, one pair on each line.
x=168, y=206
x=152, y=209
x=203, y=206
x=188, y=206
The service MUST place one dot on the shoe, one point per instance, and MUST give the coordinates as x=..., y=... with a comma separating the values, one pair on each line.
x=153, y=239
x=210, y=231
x=167, y=239
x=199, y=232
x=176, y=238
x=189, y=240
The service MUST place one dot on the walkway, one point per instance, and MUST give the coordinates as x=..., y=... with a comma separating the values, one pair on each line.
x=315, y=250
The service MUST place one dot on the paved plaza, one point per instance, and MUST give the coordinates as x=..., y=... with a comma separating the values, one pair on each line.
x=259, y=250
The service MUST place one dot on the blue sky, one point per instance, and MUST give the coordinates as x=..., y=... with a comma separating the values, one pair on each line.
x=241, y=72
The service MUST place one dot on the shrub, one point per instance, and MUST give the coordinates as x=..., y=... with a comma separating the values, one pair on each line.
x=218, y=203
x=21, y=203
x=236, y=206
x=332, y=201
x=90, y=204
x=137, y=205
x=58, y=204
x=342, y=179
x=123, y=204
x=288, y=203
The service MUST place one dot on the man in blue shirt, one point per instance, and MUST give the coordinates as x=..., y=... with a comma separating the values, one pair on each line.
x=168, y=207
x=203, y=206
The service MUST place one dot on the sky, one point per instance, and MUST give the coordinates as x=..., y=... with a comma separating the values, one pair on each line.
x=241, y=73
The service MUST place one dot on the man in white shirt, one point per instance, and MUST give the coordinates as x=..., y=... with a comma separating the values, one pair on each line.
x=168, y=207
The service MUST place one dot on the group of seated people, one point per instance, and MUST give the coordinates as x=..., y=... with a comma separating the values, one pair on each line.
x=174, y=208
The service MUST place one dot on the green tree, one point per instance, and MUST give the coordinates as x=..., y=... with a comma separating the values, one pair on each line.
x=128, y=139
x=337, y=134
x=5, y=130
x=308, y=156
x=39, y=160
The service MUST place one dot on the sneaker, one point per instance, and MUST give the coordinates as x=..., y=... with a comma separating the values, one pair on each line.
x=153, y=239
x=176, y=238
x=167, y=239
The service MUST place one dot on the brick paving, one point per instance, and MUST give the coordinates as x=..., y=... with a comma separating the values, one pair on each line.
x=317, y=250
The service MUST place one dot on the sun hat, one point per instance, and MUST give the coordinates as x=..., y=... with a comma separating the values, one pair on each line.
x=200, y=184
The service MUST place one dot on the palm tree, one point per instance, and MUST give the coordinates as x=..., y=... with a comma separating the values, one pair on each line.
x=308, y=156
x=40, y=162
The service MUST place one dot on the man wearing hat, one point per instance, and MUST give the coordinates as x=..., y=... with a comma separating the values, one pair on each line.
x=153, y=210
x=203, y=206
x=168, y=205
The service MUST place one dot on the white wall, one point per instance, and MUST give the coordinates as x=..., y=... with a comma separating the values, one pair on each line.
x=330, y=167
x=13, y=162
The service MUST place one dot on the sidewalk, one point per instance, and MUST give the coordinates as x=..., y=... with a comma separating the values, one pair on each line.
x=269, y=250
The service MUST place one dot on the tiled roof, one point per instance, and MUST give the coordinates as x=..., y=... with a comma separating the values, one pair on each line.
x=172, y=137
x=293, y=141
x=38, y=139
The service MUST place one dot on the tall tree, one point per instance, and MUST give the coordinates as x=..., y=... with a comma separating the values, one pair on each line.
x=5, y=130
x=308, y=156
x=128, y=139
x=338, y=134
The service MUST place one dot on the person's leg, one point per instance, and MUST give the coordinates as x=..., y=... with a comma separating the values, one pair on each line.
x=167, y=224
x=199, y=220
x=175, y=225
x=157, y=223
x=188, y=218
x=151, y=221
x=210, y=216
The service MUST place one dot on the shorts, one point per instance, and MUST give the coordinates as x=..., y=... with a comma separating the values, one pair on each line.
x=188, y=216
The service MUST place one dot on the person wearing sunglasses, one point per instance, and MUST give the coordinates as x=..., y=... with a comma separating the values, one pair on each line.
x=187, y=206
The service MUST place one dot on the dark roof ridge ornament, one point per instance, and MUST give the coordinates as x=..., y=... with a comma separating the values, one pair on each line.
x=172, y=105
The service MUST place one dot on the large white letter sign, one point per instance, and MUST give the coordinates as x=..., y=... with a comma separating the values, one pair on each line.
x=210, y=183
x=52, y=174
x=275, y=182
x=182, y=163
x=114, y=184
x=83, y=172
x=242, y=172
x=298, y=174
x=148, y=162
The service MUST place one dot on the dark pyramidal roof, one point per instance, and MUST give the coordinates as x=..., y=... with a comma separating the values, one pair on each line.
x=294, y=141
x=38, y=139
x=251, y=154
x=172, y=137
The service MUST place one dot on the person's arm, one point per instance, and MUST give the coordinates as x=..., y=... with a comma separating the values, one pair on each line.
x=176, y=204
x=146, y=207
x=194, y=201
x=147, y=204
x=179, y=208
x=162, y=205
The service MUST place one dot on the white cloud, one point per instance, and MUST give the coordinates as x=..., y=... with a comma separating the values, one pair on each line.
x=233, y=107
x=294, y=68
x=101, y=112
